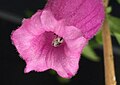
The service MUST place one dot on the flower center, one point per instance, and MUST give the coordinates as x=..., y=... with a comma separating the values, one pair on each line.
x=57, y=41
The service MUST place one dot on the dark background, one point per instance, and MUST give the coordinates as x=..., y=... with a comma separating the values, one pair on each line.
x=12, y=66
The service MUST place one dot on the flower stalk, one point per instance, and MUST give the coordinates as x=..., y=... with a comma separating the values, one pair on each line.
x=110, y=78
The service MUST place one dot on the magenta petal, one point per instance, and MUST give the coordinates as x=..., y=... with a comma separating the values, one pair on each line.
x=51, y=24
x=69, y=61
x=87, y=15
x=26, y=40
x=33, y=25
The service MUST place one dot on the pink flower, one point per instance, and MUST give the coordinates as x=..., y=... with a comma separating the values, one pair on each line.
x=54, y=37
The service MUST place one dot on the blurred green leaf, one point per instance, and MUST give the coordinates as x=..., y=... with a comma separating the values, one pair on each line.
x=118, y=1
x=98, y=38
x=114, y=24
x=52, y=72
x=117, y=35
x=63, y=80
x=28, y=13
x=93, y=43
x=109, y=10
x=89, y=53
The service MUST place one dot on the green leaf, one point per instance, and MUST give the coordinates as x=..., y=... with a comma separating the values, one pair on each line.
x=28, y=13
x=93, y=43
x=114, y=24
x=63, y=80
x=117, y=35
x=118, y=1
x=109, y=10
x=89, y=53
x=98, y=38
x=52, y=72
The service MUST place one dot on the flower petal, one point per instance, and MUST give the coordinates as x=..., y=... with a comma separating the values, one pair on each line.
x=34, y=25
x=51, y=24
x=71, y=32
x=39, y=49
x=87, y=15
x=27, y=40
x=65, y=60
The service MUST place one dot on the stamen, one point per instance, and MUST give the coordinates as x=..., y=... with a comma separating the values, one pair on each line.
x=57, y=41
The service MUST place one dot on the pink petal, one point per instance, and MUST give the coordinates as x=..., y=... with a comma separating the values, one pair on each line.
x=51, y=24
x=87, y=15
x=40, y=52
x=68, y=62
x=33, y=25
x=27, y=46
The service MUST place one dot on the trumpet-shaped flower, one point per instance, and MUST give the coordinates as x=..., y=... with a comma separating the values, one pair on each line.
x=53, y=38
